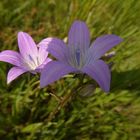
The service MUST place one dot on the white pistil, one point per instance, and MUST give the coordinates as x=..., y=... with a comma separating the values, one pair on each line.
x=31, y=63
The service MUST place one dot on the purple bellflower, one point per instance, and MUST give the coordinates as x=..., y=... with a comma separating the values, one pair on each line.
x=79, y=56
x=30, y=58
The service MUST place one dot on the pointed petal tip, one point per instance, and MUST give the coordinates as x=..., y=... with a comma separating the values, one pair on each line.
x=42, y=85
x=20, y=33
x=100, y=72
x=13, y=73
x=79, y=21
x=8, y=81
x=113, y=36
x=107, y=90
x=121, y=39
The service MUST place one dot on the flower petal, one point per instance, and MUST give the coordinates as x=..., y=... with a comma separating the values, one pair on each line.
x=14, y=73
x=100, y=72
x=55, y=47
x=43, y=53
x=39, y=68
x=11, y=57
x=103, y=44
x=79, y=35
x=53, y=71
x=27, y=46
x=45, y=62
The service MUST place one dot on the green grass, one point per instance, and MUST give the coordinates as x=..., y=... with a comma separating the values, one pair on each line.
x=24, y=108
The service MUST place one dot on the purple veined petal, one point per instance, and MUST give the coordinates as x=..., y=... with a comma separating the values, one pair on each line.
x=46, y=61
x=39, y=68
x=79, y=36
x=103, y=44
x=53, y=71
x=27, y=46
x=14, y=73
x=100, y=72
x=55, y=47
x=11, y=57
x=43, y=54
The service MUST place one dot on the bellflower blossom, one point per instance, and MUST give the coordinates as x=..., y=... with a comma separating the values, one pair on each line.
x=30, y=58
x=79, y=56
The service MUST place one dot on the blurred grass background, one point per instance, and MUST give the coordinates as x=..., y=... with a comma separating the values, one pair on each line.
x=24, y=108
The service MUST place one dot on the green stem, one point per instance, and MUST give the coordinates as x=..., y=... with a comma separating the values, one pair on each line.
x=62, y=103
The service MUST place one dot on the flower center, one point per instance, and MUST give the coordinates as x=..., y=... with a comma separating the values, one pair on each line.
x=77, y=55
x=32, y=63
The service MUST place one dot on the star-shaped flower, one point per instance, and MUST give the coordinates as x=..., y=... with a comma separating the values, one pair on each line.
x=31, y=58
x=79, y=56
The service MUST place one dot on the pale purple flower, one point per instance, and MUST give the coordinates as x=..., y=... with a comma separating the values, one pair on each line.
x=31, y=58
x=79, y=56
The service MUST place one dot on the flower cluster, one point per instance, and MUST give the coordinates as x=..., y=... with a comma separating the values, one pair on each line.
x=78, y=56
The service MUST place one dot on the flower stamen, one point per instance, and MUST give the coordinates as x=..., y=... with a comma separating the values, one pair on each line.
x=77, y=54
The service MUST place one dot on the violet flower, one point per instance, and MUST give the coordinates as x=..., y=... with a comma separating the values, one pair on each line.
x=79, y=56
x=30, y=58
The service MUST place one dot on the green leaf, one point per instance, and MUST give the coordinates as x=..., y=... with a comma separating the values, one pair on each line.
x=31, y=127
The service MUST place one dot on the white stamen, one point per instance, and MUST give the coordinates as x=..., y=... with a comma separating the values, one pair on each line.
x=31, y=63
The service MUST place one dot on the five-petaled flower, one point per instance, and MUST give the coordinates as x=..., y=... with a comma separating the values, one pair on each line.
x=79, y=56
x=31, y=58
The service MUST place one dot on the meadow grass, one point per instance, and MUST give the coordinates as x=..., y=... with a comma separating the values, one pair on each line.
x=24, y=108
